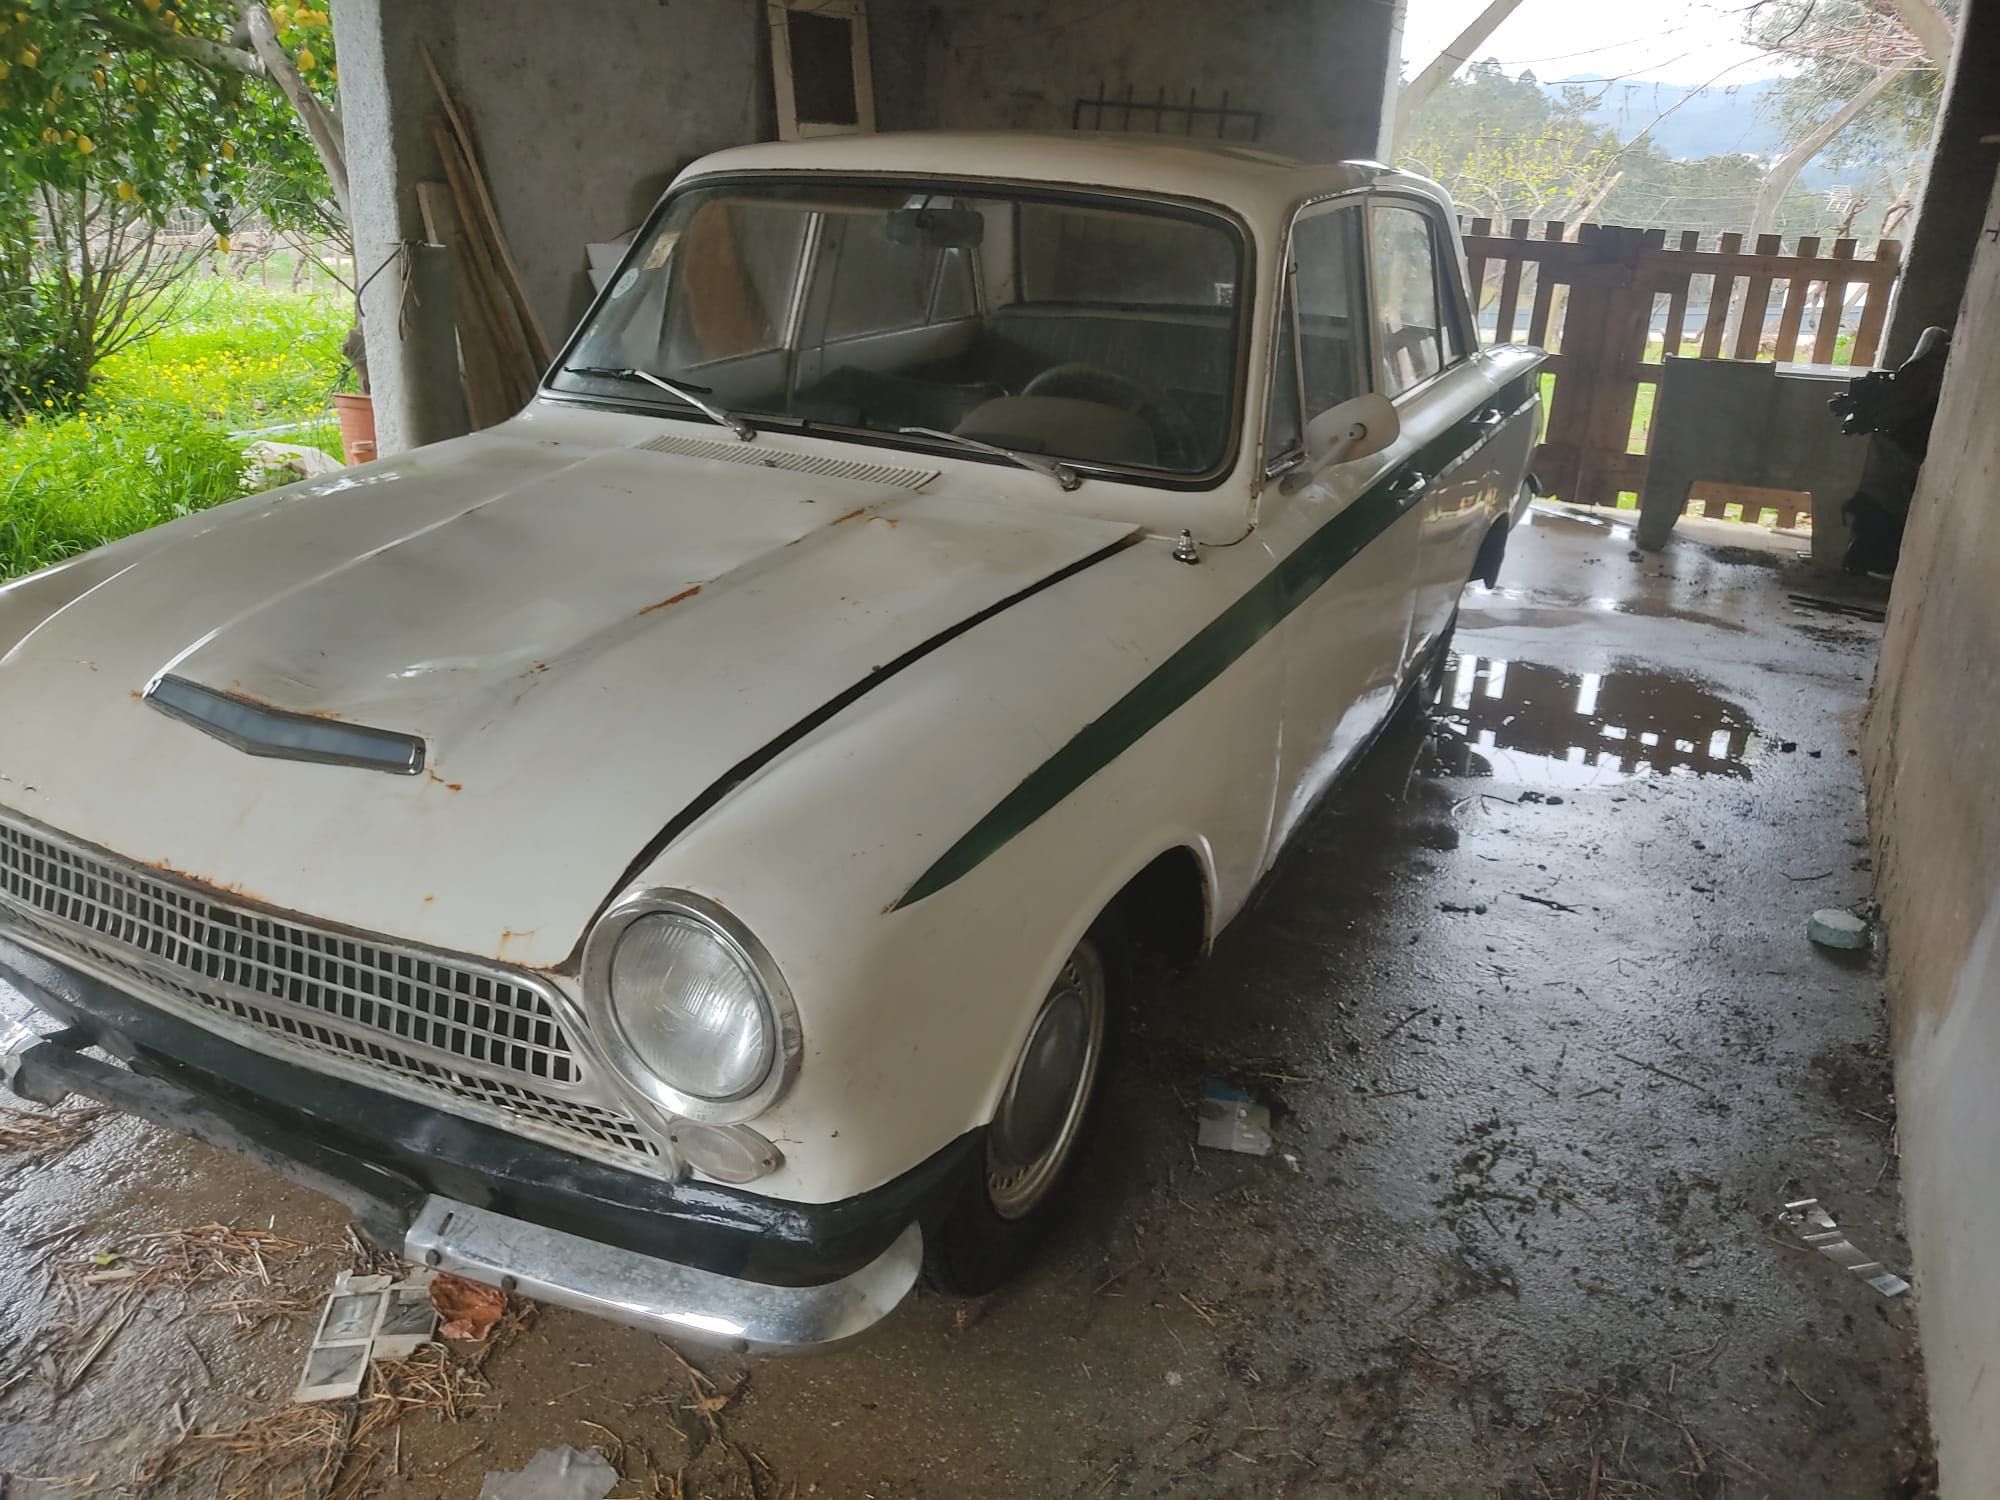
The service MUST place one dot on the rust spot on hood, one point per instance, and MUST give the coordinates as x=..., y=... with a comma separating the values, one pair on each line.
x=450, y=786
x=859, y=510
x=891, y=521
x=220, y=887
x=510, y=935
x=671, y=600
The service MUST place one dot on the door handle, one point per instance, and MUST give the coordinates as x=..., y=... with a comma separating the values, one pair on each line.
x=1410, y=485
x=1489, y=419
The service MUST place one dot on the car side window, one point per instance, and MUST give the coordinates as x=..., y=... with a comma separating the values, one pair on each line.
x=1408, y=296
x=1327, y=282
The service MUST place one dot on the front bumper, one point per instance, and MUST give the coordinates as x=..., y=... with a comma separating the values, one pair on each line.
x=691, y=1260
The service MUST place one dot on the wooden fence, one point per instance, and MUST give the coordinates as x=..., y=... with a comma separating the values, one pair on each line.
x=1609, y=302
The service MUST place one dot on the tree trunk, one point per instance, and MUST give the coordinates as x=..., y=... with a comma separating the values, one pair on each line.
x=1778, y=181
x=1931, y=27
x=1410, y=98
x=320, y=123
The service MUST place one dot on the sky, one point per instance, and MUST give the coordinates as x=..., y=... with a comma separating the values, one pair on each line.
x=1677, y=41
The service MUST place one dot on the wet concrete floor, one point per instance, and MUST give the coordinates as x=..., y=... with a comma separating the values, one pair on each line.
x=1547, y=1052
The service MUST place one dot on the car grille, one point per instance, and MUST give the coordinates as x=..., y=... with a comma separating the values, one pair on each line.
x=417, y=1023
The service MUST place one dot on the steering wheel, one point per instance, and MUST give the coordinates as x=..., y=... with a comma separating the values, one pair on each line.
x=1178, y=441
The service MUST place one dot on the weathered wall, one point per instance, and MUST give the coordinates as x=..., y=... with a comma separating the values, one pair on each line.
x=1320, y=71
x=583, y=112
x=1962, y=156
x=1933, y=748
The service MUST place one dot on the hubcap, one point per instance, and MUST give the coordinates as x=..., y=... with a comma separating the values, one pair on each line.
x=1042, y=1110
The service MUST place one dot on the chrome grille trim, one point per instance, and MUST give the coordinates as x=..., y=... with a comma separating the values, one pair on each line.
x=762, y=456
x=500, y=1045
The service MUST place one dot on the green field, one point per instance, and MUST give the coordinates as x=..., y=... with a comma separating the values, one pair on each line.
x=153, y=440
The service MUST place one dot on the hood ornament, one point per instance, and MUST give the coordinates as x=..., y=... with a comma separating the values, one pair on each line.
x=280, y=734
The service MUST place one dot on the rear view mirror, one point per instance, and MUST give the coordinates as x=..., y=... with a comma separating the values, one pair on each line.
x=937, y=228
x=1353, y=429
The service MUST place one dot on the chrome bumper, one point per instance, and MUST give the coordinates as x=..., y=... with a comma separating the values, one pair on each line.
x=682, y=1302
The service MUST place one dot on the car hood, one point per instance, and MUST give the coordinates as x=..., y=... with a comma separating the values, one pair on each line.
x=588, y=639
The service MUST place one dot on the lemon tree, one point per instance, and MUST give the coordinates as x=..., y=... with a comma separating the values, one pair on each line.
x=122, y=118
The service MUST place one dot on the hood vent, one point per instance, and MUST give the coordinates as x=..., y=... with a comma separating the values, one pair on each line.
x=259, y=729
x=759, y=456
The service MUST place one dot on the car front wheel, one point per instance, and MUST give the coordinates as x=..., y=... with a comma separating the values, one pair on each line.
x=1013, y=1195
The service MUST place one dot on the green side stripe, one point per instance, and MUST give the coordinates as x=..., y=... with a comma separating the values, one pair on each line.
x=1213, y=650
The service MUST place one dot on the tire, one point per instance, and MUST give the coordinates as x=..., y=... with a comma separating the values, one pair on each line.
x=1016, y=1188
x=1431, y=684
x=1492, y=553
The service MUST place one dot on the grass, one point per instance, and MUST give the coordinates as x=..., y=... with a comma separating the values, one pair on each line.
x=154, y=441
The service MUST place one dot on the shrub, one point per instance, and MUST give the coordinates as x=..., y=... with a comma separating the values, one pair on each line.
x=69, y=485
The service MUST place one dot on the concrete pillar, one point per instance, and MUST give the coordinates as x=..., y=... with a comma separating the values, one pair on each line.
x=386, y=104
x=1964, y=152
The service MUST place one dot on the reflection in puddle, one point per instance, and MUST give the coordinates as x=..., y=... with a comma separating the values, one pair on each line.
x=1535, y=724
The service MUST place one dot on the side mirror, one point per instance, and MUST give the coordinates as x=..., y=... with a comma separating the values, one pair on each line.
x=1354, y=429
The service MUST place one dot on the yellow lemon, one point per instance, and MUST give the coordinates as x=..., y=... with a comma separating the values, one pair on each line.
x=307, y=62
x=127, y=192
x=85, y=145
x=229, y=151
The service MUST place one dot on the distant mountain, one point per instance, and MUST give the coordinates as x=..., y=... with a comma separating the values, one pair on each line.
x=1689, y=121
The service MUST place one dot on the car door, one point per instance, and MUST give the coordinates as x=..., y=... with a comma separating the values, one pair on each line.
x=1350, y=558
x=1424, y=365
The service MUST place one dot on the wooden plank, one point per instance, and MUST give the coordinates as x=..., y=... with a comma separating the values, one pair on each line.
x=1757, y=298
x=1545, y=289
x=516, y=360
x=1475, y=262
x=1510, y=285
x=490, y=217
x=1615, y=387
x=1675, y=332
x=486, y=399
x=1832, y=307
x=1875, y=309
x=1796, y=283
x=1721, y=292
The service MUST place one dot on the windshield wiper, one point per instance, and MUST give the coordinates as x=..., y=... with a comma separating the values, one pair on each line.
x=1055, y=469
x=692, y=395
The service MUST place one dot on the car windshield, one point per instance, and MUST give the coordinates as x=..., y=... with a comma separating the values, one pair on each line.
x=1089, y=329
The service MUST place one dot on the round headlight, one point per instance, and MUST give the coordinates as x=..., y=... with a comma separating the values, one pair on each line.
x=691, y=1007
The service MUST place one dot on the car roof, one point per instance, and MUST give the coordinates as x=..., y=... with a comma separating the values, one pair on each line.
x=1254, y=183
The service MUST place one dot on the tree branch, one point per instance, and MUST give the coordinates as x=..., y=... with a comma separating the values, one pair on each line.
x=320, y=123
x=1931, y=27
x=1778, y=181
x=194, y=49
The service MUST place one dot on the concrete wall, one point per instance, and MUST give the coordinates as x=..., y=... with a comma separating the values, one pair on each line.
x=1933, y=749
x=1320, y=71
x=583, y=111
x=1962, y=159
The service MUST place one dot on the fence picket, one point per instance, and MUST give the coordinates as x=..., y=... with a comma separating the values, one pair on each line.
x=1831, y=307
x=1612, y=278
x=1721, y=291
x=1875, y=307
x=1475, y=265
x=1756, y=300
x=1545, y=287
x=1796, y=286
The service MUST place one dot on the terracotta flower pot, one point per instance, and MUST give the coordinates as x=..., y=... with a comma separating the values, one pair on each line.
x=357, y=426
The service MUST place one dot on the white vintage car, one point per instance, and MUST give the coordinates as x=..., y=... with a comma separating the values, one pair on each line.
x=676, y=852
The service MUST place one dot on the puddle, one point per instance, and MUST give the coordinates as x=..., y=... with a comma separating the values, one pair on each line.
x=1535, y=724
x=1618, y=523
